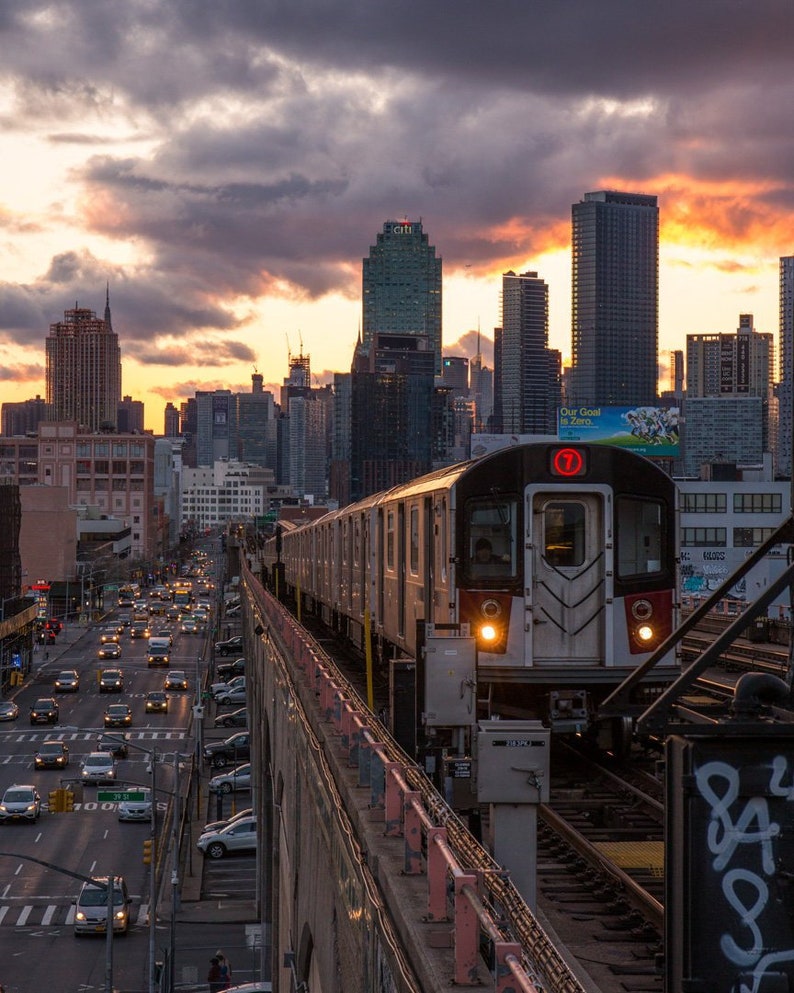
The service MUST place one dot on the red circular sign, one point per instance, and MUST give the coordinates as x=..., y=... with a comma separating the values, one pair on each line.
x=568, y=462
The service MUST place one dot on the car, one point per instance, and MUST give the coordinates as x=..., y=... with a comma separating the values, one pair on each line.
x=239, y=836
x=111, y=681
x=173, y=613
x=232, y=749
x=258, y=986
x=118, y=715
x=136, y=810
x=110, y=633
x=233, y=719
x=51, y=754
x=228, y=670
x=236, y=781
x=125, y=620
x=217, y=825
x=233, y=611
x=67, y=681
x=125, y=602
x=165, y=633
x=114, y=742
x=175, y=680
x=98, y=767
x=9, y=711
x=138, y=629
x=156, y=702
x=110, y=650
x=189, y=624
x=232, y=646
x=225, y=685
x=21, y=802
x=91, y=906
x=234, y=696
x=44, y=711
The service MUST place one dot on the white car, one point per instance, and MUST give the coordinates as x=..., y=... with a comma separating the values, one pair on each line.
x=98, y=767
x=20, y=803
x=136, y=810
x=239, y=836
x=235, y=696
x=226, y=687
x=214, y=826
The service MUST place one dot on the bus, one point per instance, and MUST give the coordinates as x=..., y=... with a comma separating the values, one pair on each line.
x=182, y=594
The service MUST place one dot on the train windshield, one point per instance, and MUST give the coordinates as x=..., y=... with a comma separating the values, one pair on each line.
x=640, y=536
x=490, y=538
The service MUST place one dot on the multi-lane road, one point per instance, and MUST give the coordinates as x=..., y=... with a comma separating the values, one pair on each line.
x=38, y=950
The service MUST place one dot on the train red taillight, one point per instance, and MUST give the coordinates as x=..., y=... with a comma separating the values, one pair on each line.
x=649, y=620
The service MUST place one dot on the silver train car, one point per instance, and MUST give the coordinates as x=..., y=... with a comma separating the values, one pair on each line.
x=559, y=559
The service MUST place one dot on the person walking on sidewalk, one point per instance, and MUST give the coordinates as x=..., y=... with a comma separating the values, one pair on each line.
x=214, y=976
x=226, y=969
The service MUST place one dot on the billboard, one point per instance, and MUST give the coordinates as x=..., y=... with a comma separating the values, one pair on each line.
x=651, y=431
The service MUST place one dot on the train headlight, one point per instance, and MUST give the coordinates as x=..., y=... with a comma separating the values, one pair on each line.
x=488, y=633
x=490, y=609
x=645, y=632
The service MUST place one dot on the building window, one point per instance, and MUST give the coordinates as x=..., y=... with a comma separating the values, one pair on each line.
x=704, y=537
x=136, y=450
x=751, y=537
x=83, y=467
x=136, y=468
x=101, y=450
x=119, y=468
x=119, y=450
x=704, y=503
x=83, y=450
x=757, y=503
x=119, y=484
x=101, y=467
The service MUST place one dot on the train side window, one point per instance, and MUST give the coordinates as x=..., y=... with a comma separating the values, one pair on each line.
x=490, y=538
x=414, y=540
x=639, y=536
x=564, y=533
x=390, y=541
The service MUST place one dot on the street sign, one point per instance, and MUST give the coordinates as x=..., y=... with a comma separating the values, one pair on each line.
x=120, y=796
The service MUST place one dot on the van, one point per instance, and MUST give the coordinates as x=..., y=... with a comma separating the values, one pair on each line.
x=91, y=906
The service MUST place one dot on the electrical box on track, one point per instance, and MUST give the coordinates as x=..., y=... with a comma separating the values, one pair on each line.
x=513, y=762
x=729, y=862
x=450, y=681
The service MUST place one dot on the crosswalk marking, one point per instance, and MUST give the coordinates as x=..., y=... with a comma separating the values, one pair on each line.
x=57, y=915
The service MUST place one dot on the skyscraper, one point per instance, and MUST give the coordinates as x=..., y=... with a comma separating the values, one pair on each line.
x=401, y=286
x=615, y=308
x=84, y=369
x=786, y=369
x=528, y=399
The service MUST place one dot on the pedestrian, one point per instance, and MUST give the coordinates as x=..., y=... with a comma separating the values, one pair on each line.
x=214, y=976
x=226, y=969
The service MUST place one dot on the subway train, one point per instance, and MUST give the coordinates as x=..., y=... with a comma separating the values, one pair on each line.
x=560, y=560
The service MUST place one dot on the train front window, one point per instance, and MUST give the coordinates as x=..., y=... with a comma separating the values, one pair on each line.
x=491, y=538
x=639, y=536
x=564, y=533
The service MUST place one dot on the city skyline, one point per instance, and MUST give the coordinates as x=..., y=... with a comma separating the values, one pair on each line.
x=227, y=173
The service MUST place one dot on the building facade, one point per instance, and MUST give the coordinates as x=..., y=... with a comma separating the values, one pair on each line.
x=401, y=287
x=615, y=303
x=83, y=370
x=224, y=492
x=785, y=392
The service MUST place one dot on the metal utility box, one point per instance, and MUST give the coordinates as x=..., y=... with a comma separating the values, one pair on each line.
x=513, y=762
x=458, y=783
x=729, y=861
x=450, y=681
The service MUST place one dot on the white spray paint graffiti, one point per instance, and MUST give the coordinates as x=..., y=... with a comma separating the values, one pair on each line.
x=718, y=784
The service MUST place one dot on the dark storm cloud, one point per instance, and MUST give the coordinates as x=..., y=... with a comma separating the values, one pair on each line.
x=280, y=135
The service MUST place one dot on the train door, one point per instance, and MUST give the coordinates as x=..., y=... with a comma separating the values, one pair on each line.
x=401, y=543
x=568, y=575
x=429, y=565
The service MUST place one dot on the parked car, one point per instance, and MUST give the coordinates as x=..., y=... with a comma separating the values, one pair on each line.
x=136, y=810
x=9, y=711
x=110, y=650
x=232, y=749
x=239, y=836
x=156, y=702
x=233, y=697
x=232, y=646
x=67, y=681
x=213, y=826
x=111, y=681
x=98, y=767
x=91, y=907
x=175, y=680
x=118, y=715
x=233, y=719
x=228, y=670
x=51, y=754
x=20, y=803
x=44, y=711
x=113, y=742
x=236, y=781
x=223, y=686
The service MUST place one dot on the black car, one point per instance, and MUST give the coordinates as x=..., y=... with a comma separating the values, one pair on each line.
x=51, y=755
x=114, y=742
x=234, y=719
x=225, y=671
x=232, y=646
x=44, y=711
x=232, y=750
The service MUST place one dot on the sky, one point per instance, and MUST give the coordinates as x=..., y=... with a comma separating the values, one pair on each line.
x=225, y=165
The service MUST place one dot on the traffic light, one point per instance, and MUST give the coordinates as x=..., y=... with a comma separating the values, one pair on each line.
x=68, y=800
x=56, y=801
x=147, y=851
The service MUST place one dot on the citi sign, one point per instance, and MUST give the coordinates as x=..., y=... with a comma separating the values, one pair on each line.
x=402, y=229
